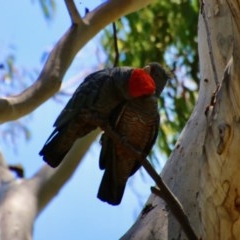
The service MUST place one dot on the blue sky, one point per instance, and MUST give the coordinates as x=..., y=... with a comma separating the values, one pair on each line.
x=75, y=213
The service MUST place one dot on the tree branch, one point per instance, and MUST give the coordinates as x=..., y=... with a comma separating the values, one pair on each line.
x=62, y=55
x=235, y=10
x=116, y=60
x=48, y=181
x=17, y=169
x=163, y=191
x=5, y=173
x=73, y=12
x=209, y=41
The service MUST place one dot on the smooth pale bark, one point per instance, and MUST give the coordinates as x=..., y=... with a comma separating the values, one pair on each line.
x=22, y=200
x=49, y=81
x=219, y=197
x=203, y=169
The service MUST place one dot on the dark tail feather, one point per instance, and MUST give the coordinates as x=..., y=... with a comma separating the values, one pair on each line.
x=110, y=190
x=55, y=149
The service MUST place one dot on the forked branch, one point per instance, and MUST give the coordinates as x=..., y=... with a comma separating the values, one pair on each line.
x=73, y=12
x=63, y=53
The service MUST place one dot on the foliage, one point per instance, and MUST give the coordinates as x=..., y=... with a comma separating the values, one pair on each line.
x=166, y=31
x=15, y=78
x=48, y=7
x=163, y=32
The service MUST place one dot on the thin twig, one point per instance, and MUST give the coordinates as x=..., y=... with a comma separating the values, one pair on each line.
x=176, y=208
x=163, y=191
x=209, y=43
x=115, y=45
x=73, y=12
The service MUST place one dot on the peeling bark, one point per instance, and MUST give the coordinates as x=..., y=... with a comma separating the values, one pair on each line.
x=219, y=176
x=21, y=200
x=202, y=170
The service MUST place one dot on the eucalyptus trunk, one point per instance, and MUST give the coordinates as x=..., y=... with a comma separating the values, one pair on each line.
x=203, y=169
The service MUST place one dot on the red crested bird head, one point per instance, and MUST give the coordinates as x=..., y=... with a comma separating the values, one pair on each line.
x=141, y=83
x=159, y=75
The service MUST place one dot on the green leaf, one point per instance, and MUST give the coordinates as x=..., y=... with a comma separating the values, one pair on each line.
x=165, y=32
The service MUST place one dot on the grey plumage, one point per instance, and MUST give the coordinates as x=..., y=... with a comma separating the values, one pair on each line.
x=107, y=93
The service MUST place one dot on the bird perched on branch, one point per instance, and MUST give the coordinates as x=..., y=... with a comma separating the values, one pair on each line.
x=126, y=98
